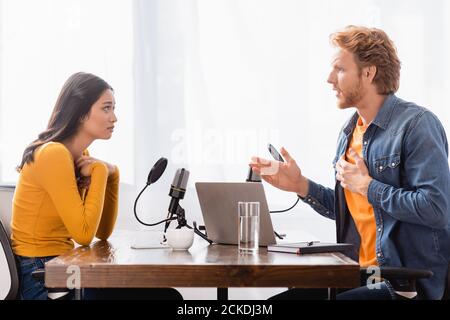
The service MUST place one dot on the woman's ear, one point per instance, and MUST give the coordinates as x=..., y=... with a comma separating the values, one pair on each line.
x=84, y=118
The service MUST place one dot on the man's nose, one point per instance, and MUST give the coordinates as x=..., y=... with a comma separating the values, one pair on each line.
x=331, y=78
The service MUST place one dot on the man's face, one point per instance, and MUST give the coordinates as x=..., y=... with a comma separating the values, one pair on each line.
x=346, y=79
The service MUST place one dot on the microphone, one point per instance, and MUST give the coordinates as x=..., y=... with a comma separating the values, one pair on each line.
x=176, y=192
x=178, y=189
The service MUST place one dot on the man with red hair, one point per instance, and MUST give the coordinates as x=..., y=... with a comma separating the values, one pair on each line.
x=392, y=192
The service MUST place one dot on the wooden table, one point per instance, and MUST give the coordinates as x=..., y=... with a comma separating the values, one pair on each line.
x=114, y=264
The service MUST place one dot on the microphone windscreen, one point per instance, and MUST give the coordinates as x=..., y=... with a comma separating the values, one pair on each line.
x=156, y=172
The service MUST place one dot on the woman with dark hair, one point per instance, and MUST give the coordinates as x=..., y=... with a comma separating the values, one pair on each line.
x=64, y=194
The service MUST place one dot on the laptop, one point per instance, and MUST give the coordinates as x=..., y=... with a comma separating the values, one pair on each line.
x=219, y=205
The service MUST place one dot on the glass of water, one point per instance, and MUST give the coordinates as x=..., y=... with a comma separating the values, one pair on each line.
x=248, y=232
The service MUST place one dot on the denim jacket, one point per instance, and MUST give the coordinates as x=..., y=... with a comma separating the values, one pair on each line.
x=406, y=152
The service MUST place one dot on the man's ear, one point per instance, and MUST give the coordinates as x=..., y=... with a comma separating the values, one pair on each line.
x=370, y=72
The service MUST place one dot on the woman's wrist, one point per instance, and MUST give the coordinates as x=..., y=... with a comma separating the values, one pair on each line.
x=111, y=168
x=98, y=163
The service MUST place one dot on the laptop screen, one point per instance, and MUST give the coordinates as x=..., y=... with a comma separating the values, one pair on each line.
x=219, y=205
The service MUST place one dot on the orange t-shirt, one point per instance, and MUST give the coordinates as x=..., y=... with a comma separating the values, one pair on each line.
x=360, y=208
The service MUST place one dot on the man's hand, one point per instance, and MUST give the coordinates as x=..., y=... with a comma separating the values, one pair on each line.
x=353, y=177
x=286, y=176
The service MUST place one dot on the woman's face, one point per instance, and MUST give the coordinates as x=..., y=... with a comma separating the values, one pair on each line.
x=99, y=123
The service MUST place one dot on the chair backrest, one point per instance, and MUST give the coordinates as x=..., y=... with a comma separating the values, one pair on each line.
x=6, y=197
x=9, y=280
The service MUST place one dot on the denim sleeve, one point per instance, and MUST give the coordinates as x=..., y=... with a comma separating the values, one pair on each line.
x=426, y=167
x=321, y=199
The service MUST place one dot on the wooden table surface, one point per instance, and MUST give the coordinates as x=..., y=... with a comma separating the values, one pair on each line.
x=114, y=264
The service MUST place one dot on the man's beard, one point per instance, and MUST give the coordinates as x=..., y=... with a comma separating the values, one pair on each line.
x=352, y=96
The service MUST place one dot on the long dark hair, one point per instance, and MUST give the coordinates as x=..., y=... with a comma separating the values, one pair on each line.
x=74, y=103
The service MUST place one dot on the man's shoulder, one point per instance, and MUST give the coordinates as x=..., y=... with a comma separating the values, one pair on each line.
x=407, y=113
x=407, y=108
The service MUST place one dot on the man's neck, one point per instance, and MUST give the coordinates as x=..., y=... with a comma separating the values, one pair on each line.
x=77, y=145
x=369, y=106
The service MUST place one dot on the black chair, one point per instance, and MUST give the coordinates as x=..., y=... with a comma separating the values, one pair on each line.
x=10, y=279
x=405, y=279
x=447, y=287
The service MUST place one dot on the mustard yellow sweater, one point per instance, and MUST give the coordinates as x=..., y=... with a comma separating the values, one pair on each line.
x=49, y=210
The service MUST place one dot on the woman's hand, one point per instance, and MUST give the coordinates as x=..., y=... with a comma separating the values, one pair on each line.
x=84, y=163
x=83, y=182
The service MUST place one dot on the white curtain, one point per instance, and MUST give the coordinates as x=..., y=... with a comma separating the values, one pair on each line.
x=218, y=80
x=42, y=43
x=225, y=77
x=208, y=84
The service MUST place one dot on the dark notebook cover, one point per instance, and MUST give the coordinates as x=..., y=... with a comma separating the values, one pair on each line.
x=310, y=247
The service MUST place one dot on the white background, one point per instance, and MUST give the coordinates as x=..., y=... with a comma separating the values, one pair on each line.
x=208, y=84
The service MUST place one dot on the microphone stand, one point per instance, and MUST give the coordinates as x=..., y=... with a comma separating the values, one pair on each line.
x=180, y=216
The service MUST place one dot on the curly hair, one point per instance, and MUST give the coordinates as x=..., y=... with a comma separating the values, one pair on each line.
x=372, y=47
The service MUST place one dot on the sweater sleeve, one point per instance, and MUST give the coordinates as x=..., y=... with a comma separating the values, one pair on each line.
x=110, y=207
x=55, y=172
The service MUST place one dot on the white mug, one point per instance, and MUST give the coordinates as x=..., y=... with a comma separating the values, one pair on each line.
x=180, y=239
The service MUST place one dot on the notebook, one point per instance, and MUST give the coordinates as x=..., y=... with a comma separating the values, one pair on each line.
x=310, y=247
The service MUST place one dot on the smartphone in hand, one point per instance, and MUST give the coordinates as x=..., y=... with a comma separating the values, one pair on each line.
x=275, y=154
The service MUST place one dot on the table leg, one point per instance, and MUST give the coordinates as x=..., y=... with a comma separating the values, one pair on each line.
x=331, y=293
x=222, y=293
x=78, y=293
